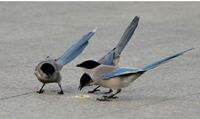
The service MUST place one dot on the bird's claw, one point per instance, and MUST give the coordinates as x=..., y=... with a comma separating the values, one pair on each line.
x=110, y=97
x=61, y=93
x=110, y=91
x=103, y=99
x=93, y=91
x=114, y=97
x=107, y=98
x=40, y=91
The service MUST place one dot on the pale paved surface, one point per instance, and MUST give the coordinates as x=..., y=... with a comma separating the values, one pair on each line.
x=31, y=31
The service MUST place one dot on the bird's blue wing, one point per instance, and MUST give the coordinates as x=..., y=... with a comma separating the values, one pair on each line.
x=164, y=60
x=125, y=71
x=108, y=59
x=75, y=50
x=120, y=72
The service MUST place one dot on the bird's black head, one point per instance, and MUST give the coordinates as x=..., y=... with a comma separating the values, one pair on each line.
x=84, y=80
x=89, y=64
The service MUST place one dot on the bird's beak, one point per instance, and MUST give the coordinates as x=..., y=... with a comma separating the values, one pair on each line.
x=78, y=65
x=80, y=87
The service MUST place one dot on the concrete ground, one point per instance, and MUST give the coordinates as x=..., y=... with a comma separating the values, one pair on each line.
x=31, y=31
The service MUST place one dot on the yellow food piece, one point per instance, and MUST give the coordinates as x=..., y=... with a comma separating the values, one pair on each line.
x=82, y=96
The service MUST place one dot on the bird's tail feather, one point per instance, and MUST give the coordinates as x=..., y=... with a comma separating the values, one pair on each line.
x=164, y=60
x=126, y=36
x=109, y=59
x=75, y=49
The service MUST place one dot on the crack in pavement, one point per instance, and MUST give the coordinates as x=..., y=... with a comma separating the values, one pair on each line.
x=15, y=96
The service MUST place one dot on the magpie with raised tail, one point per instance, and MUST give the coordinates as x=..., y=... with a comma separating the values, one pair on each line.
x=111, y=58
x=116, y=78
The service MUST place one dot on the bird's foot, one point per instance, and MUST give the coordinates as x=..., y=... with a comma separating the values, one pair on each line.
x=114, y=97
x=93, y=91
x=110, y=97
x=104, y=99
x=61, y=93
x=40, y=91
x=110, y=91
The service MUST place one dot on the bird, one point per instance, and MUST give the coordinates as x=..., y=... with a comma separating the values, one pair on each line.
x=111, y=58
x=48, y=71
x=115, y=77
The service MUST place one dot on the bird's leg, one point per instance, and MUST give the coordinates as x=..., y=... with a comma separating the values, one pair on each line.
x=108, y=98
x=94, y=90
x=113, y=95
x=61, y=91
x=110, y=91
x=41, y=91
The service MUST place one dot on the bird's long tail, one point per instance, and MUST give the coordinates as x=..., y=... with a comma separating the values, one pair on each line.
x=75, y=50
x=126, y=36
x=164, y=60
x=113, y=56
